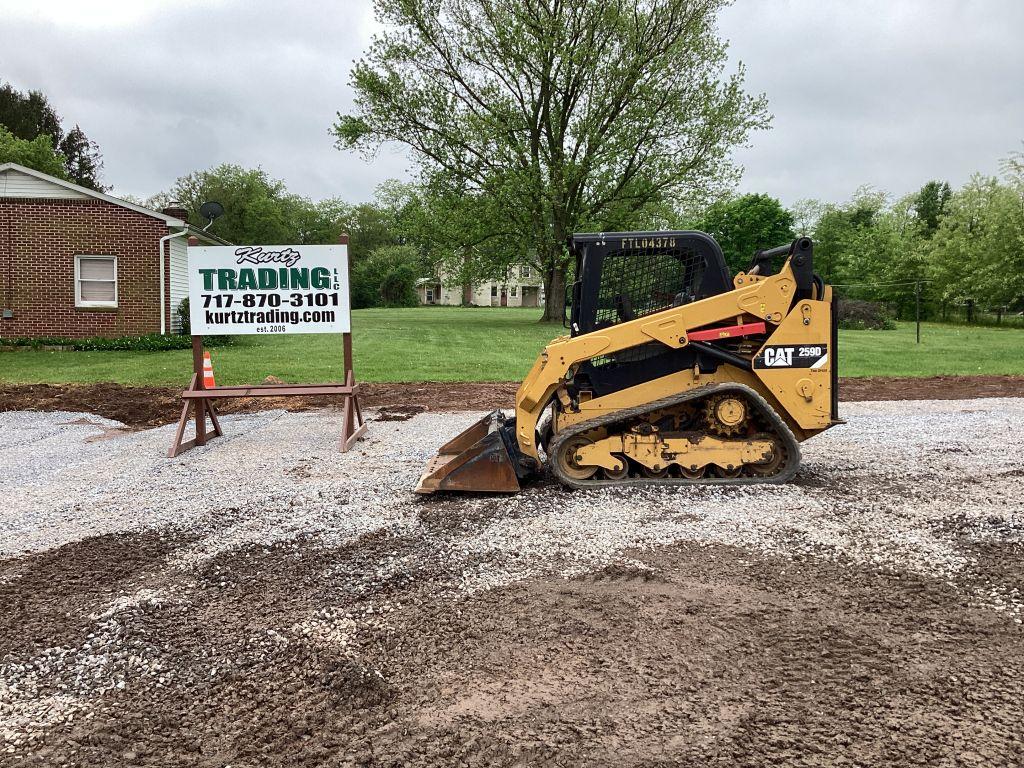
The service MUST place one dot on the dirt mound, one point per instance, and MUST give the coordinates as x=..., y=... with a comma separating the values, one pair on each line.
x=723, y=659
x=134, y=406
x=151, y=406
x=930, y=388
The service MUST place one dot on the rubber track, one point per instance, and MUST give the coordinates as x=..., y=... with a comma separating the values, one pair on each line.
x=626, y=414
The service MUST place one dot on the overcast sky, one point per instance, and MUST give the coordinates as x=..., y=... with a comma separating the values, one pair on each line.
x=881, y=92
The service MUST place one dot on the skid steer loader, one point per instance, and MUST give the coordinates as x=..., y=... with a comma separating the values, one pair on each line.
x=672, y=373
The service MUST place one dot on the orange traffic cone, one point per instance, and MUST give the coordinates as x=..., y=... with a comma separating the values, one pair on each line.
x=208, y=382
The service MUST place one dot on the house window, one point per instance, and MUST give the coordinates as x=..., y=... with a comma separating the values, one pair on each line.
x=430, y=295
x=512, y=290
x=95, y=281
x=525, y=273
x=494, y=291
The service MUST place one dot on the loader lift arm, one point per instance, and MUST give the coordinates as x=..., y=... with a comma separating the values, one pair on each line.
x=767, y=298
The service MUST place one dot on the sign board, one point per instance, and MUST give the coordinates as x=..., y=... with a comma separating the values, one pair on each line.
x=249, y=289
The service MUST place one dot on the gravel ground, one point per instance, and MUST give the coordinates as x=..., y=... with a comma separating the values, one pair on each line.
x=932, y=472
x=155, y=601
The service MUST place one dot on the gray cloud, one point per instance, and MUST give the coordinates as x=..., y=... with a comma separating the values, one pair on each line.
x=876, y=92
x=889, y=94
x=254, y=83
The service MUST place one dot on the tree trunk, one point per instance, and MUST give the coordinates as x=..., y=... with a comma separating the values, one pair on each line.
x=554, y=295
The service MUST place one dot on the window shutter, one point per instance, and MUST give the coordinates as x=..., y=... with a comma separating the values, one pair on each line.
x=96, y=269
x=93, y=290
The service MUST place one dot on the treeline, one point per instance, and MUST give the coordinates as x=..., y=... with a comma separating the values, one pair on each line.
x=965, y=247
x=960, y=245
x=32, y=134
x=384, y=262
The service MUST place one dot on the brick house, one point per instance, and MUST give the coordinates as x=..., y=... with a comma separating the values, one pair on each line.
x=521, y=287
x=75, y=262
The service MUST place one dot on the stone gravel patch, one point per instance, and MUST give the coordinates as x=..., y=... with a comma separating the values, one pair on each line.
x=899, y=486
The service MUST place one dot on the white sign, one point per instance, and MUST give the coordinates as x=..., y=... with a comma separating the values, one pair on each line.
x=268, y=289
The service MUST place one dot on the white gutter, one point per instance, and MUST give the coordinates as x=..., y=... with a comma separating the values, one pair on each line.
x=163, y=293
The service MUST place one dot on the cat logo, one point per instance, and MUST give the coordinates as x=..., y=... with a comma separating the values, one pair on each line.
x=778, y=357
x=793, y=356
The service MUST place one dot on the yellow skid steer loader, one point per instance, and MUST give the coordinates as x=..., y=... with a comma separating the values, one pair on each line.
x=672, y=373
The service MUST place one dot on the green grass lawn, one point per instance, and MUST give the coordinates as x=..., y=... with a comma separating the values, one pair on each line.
x=944, y=350
x=488, y=344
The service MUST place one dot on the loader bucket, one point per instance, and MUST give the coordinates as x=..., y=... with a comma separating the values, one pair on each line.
x=476, y=460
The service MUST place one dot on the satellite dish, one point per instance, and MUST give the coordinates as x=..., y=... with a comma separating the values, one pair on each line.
x=211, y=210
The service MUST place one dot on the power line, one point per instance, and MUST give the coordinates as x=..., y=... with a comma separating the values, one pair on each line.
x=877, y=285
x=917, y=295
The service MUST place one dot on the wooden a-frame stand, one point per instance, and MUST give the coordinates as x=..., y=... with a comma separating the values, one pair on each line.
x=200, y=400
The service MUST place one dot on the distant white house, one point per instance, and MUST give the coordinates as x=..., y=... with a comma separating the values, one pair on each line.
x=521, y=287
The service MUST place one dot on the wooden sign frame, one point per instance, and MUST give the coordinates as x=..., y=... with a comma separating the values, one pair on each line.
x=199, y=401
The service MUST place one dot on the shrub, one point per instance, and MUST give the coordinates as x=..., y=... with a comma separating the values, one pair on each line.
x=184, y=318
x=861, y=315
x=386, y=278
x=152, y=342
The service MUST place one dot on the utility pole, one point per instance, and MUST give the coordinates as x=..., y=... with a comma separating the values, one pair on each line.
x=917, y=296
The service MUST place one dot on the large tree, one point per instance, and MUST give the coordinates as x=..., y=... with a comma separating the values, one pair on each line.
x=29, y=115
x=977, y=251
x=386, y=277
x=565, y=115
x=37, y=153
x=257, y=208
x=872, y=247
x=453, y=230
x=930, y=204
x=840, y=230
x=743, y=225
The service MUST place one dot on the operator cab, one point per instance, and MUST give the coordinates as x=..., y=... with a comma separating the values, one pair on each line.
x=621, y=276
